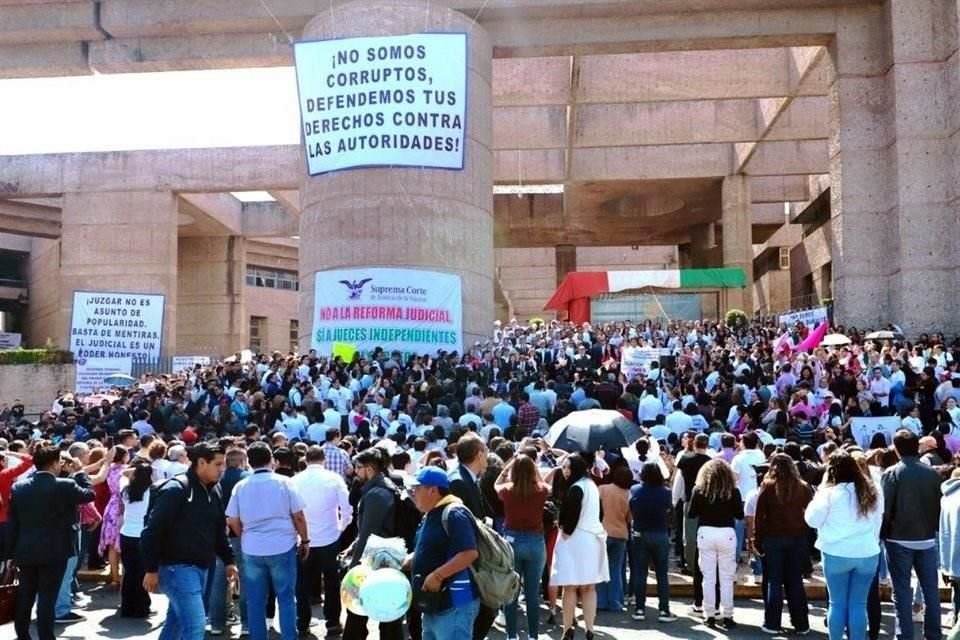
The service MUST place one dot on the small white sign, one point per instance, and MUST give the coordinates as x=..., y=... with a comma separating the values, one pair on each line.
x=385, y=101
x=863, y=429
x=116, y=325
x=810, y=317
x=189, y=362
x=10, y=340
x=636, y=360
x=92, y=372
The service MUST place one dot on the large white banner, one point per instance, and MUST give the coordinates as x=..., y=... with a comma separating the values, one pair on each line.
x=635, y=361
x=810, y=317
x=10, y=340
x=116, y=325
x=410, y=310
x=91, y=372
x=384, y=101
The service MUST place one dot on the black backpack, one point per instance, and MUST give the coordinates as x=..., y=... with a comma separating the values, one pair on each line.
x=406, y=518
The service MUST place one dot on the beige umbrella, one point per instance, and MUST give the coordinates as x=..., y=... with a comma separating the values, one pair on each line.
x=835, y=340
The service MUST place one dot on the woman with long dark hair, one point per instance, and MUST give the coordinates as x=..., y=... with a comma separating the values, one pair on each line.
x=524, y=495
x=580, y=557
x=716, y=503
x=781, y=535
x=135, y=500
x=847, y=512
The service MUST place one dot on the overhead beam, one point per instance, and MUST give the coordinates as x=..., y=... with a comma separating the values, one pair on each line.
x=213, y=213
x=20, y=218
x=214, y=34
x=289, y=199
x=269, y=220
x=799, y=157
x=46, y=23
x=765, y=189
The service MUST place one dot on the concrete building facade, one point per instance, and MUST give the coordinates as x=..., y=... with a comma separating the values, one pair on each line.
x=813, y=145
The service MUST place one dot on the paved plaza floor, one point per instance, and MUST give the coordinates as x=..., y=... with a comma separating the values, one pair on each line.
x=102, y=621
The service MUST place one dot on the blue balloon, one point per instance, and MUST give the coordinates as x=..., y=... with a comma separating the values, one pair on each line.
x=386, y=595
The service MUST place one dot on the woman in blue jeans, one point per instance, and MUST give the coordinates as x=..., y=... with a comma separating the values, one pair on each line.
x=650, y=505
x=524, y=494
x=615, y=504
x=847, y=512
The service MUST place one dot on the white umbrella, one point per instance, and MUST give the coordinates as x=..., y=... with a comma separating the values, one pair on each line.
x=835, y=340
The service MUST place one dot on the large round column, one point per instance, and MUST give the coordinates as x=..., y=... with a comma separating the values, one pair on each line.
x=439, y=220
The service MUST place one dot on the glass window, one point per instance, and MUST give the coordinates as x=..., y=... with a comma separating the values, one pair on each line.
x=294, y=334
x=273, y=278
x=257, y=329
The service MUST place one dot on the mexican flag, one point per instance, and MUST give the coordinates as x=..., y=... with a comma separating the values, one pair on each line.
x=574, y=293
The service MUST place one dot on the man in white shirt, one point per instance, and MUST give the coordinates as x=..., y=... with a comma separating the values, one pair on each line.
x=292, y=424
x=331, y=416
x=341, y=397
x=179, y=462
x=649, y=407
x=678, y=421
x=266, y=511
x=880, y=387
x=743, y=465
x=328, y=512
x=469, y=417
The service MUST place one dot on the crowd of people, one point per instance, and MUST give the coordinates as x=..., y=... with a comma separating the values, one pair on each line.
x=243, y=490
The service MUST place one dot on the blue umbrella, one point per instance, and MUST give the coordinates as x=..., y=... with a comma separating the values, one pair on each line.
x=119, y=380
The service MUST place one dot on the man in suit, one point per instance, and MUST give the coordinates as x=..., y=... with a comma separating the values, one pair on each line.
x=43, y=510
x=465, y=484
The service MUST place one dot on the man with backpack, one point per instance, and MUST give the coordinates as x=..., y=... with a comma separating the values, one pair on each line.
x=185, y=531
x=443, y=587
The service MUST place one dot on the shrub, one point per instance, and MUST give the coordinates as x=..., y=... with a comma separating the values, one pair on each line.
x=35, y=356
x=735, y=318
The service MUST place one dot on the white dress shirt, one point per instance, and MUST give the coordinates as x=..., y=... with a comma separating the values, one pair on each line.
x=327, y=503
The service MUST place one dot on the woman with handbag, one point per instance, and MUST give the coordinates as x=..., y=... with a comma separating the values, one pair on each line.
x=524, y=495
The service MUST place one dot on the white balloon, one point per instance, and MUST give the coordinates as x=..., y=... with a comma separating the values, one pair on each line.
x=386, y=595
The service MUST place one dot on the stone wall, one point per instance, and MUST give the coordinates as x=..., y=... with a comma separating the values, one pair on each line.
x=36, y=385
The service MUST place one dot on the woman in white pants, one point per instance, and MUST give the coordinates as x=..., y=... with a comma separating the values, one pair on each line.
x=716, y=504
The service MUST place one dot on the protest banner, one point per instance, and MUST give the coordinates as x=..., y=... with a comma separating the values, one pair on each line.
x=395, y=101
x=809, y=317
x=635, y=361
x=10, y=340
x=179, y=363
x=344, y=350
x=116, y=325
x=408, y=310
x=863, y=429
x=91, y=372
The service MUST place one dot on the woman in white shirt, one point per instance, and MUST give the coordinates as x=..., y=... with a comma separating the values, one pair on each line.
x=847, y=512
x=135, y=499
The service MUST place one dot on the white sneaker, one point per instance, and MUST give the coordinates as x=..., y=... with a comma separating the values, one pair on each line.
x=696, y=611
x=918, y=616
x=501, y=619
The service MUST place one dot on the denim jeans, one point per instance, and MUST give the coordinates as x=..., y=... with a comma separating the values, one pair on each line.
x=64, y=596
x=740, y=527
x=454, y=623
x=529, y=559
x=649, y=545
x=610, y=594
x=901, y=561
x=785, y=573
x=183, y=584
x=217, y=593
x=281, y=571
x=848, y=581
x=320, y=564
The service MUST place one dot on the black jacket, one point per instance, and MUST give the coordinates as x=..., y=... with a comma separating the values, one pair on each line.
x=465, y=487
x=376, y=513
x=185, y=526
x=43, y=517
x=911, y=501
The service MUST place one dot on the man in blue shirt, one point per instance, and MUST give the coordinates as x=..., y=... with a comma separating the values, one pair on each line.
x=441, y=560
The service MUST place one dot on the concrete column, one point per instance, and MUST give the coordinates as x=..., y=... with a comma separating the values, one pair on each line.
x=212, y=315
x=925, y=285
x=737, y=237
x=123, y=242
x=404, y=217
x=702, y=239
x=863, y=233
x=566, y=260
